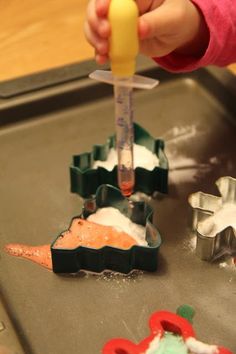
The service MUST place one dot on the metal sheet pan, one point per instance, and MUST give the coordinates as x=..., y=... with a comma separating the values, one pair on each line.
x=40, y=131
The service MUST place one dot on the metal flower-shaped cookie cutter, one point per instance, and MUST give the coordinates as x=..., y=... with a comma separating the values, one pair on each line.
x=112, y=258
x=214, y=220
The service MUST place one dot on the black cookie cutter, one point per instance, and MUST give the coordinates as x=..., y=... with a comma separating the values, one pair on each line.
x=85, y=180
x=111, y=258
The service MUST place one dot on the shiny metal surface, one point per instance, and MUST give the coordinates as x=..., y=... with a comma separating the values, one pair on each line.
x=212, y=245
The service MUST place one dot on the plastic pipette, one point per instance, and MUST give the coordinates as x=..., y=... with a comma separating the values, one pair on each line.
x=124, y=136
x=123, y=17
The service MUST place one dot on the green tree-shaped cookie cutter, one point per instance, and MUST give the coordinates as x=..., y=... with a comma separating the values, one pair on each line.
x=107, y=257
x=85, y=180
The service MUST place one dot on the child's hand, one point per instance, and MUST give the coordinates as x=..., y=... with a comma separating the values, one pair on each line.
x=97, y=29
x=164, y=26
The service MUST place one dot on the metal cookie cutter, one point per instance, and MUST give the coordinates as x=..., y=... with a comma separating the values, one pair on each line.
x=84, y=179
x=108, y=257
x=214, y=220
x=162, y=324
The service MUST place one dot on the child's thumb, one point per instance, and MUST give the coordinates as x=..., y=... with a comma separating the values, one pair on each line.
x=152, y=23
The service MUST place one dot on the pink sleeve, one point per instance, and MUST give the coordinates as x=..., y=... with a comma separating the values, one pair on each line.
x=220, y=16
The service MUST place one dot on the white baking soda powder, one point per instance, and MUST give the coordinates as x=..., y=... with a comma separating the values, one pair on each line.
x=224, y=217
x=110, y=216
x=142, y=158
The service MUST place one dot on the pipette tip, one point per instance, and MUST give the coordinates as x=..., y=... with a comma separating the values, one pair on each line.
x=127, y=188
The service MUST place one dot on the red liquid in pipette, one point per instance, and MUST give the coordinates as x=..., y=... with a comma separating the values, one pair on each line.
x=127, y=188
x=124, y=137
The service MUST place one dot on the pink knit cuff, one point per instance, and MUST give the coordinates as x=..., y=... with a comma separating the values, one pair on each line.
x=216, y=15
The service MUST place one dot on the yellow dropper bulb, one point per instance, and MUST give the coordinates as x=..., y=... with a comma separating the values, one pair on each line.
x=123, y=18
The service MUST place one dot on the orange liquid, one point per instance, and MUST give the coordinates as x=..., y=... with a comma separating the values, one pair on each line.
x=81, y=233
x=127, y=188
x=89, y=234
x=37, y=254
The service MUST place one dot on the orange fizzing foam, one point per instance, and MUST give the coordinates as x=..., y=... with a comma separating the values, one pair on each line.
x=81, y=233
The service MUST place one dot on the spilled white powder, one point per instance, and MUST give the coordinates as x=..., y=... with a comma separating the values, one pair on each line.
x=181, y=133
x=190, y=244
x=224, y=217
x=142, y=158
x=183, y=169
x=197, y=347
x=113, y=217
x=228, y=264
x=181, y=162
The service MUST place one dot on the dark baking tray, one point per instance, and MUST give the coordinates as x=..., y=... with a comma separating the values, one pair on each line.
x=41, y=128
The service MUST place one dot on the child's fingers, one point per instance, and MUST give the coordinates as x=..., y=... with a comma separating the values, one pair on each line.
x=143, y=5
x=103, y=29
x=98, y=25
x=92, y=17
x=102, y=7
x=143, y=29
x=101, y=59
x=148, y=5
x=100, y=44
